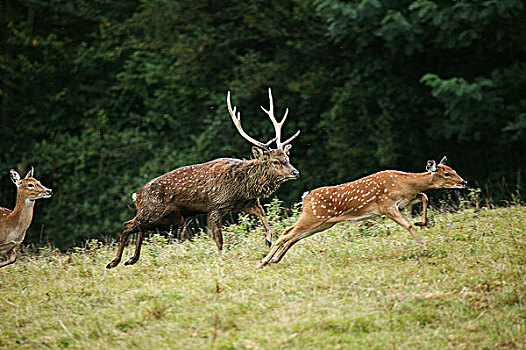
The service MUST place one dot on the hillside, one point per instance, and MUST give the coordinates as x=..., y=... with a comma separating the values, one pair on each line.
x=354, y=286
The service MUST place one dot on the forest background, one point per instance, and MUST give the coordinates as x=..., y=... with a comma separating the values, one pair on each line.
x=101, y=96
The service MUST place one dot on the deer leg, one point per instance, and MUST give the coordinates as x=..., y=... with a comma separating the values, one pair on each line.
x=421, y=197
x=281, y=240
x=395, y=215
x=298, y=238
x=258, y=210
x=214, y=228
x=11, y=259
x=137, y=253
x=127, y=228
x=289, y=234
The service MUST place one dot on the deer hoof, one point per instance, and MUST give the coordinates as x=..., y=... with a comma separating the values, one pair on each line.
x=421, y=223
x=268, y=243
x=131, y=261
x=262, y=263
x=112, y=264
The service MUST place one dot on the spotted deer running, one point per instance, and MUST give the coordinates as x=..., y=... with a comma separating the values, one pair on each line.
x=383, y=193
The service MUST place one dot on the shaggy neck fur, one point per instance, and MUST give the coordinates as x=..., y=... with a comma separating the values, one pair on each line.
x=255, y=179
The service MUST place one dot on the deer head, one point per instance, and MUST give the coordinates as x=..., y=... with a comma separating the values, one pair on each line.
x=29, y=187
x=277, y=159
x=444, y=176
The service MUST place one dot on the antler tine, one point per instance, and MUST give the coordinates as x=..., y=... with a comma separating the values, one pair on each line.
x=278, y=126
x=236, y=118
x=289, y=140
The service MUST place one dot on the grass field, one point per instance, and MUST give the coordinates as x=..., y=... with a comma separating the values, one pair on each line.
x=351, y=287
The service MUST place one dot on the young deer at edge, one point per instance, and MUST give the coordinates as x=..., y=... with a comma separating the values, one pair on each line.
x=382, y=193
x=14, y=223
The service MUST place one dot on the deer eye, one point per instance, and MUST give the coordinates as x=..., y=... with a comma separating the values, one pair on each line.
x=276, y=162
x=446, y=174
x=30, y=185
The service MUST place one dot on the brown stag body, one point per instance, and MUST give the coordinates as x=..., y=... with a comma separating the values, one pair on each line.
x=383, y=193
x=215, y=188
x=14, y=223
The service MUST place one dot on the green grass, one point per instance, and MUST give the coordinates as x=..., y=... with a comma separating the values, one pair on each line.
x=351, y=287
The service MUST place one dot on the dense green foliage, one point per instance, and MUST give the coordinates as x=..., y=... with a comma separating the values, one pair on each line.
x=100, y=96
x=350, y=287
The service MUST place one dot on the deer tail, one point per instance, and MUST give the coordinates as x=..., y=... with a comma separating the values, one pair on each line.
x=304, y=195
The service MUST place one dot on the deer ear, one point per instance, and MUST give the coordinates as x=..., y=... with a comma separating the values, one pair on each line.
x=287, y=149
x=258, y=153
x=30, y=173
x=444, y=160
x=431, y=166
x=15, y=178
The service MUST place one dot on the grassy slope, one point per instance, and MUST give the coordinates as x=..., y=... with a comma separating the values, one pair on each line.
x=350, y=287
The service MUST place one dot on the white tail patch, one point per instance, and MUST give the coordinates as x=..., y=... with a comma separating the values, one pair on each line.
x=304, y=194
x=134, y=196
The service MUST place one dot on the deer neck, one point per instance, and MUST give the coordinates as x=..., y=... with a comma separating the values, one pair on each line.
x=420, y=182
x=259, y=182
x=21, y=216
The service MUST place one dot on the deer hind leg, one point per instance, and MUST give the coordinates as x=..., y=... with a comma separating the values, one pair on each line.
x=214, y=227
x=421, y=197
x=298, y=238
x=395, y=215
x=137, y=253
x=298, y=228
x=281, y=240
x=11, y=258
x=127, y=228
x=258, y=210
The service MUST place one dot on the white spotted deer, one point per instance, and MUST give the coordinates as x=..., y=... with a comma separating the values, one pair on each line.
x=215, y=188
x=382, y=193
x=14, y=223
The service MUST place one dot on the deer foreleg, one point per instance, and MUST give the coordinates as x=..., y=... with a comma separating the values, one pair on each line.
x=11, y=258
x=126, y=230
x=421, y=197
x=395, y=215
x=258, y=210
x=214, y=228
x=137, y=253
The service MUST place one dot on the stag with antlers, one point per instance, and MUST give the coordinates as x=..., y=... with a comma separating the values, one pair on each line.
x=383, y=193
x=215, y=188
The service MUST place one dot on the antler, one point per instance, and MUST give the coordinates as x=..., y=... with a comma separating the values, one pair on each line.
x=236, y=118
x=277, y=126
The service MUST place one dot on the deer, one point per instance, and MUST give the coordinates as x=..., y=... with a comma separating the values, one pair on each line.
x=14, y=223
x=214, y=188
x=383, y=193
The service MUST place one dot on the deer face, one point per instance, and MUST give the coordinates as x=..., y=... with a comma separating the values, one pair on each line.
x=444, y=176
x=29, y=187
x=278, y=163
